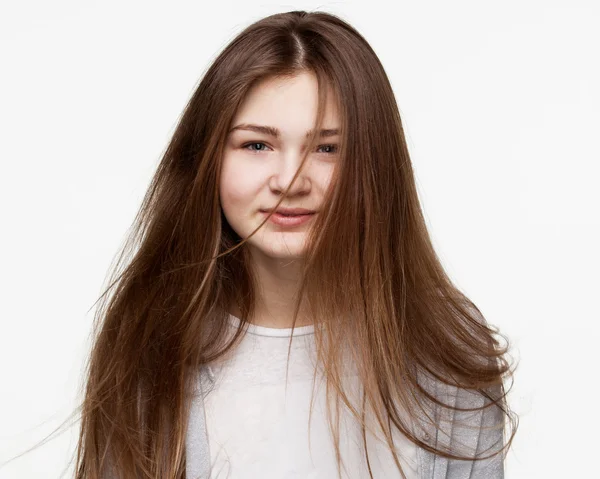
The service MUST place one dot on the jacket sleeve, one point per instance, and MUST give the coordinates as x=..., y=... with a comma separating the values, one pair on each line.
x=470, y=434
x=491, y=439
x=481, y=433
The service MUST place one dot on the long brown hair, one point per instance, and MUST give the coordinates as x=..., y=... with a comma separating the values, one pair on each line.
x=371, y=275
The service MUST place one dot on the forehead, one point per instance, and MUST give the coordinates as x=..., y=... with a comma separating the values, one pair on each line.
x=287, y=104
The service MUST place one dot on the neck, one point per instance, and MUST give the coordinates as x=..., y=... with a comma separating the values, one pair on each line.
x=278, y=284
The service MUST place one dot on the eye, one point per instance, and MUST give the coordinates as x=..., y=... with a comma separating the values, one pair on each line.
x=331, y=149
x=253, y=144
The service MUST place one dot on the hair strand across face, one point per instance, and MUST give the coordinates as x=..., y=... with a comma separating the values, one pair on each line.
x=371, y=274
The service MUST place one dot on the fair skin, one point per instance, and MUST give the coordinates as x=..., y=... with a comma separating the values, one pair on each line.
x=257, y=167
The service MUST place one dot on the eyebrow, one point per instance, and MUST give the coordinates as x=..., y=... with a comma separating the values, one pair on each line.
x=274, y=132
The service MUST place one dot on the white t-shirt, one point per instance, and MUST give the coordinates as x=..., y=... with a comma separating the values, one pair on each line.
x=257, y=429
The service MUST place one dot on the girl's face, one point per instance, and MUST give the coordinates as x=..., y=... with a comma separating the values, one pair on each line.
x=263, y=151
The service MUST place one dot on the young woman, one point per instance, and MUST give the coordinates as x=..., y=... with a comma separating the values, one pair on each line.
x=283, y=313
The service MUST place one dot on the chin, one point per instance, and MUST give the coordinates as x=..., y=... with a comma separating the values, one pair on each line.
x=284, y=253
x=280, y=250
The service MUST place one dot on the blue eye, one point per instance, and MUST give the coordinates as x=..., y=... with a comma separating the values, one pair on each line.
x=247, y=146
x=253, y=144
x=333, y=148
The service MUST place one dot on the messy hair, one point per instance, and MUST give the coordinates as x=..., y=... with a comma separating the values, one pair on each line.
x=370, y=274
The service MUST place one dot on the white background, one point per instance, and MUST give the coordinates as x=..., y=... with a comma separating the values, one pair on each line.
x=501, y=105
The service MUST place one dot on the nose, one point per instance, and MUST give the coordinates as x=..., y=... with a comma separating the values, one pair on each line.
x=284, y=172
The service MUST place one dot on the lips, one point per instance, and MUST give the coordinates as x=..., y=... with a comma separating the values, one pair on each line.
x=291, y=211
x=291, y=214
x=290, y=217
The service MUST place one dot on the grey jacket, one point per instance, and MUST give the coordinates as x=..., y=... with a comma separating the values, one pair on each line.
x=468, y=431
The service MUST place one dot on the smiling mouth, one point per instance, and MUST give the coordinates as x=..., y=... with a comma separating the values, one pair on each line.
x=289, y=220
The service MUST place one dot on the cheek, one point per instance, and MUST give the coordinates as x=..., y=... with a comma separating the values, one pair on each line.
x=238, y=188
x=324, y=177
